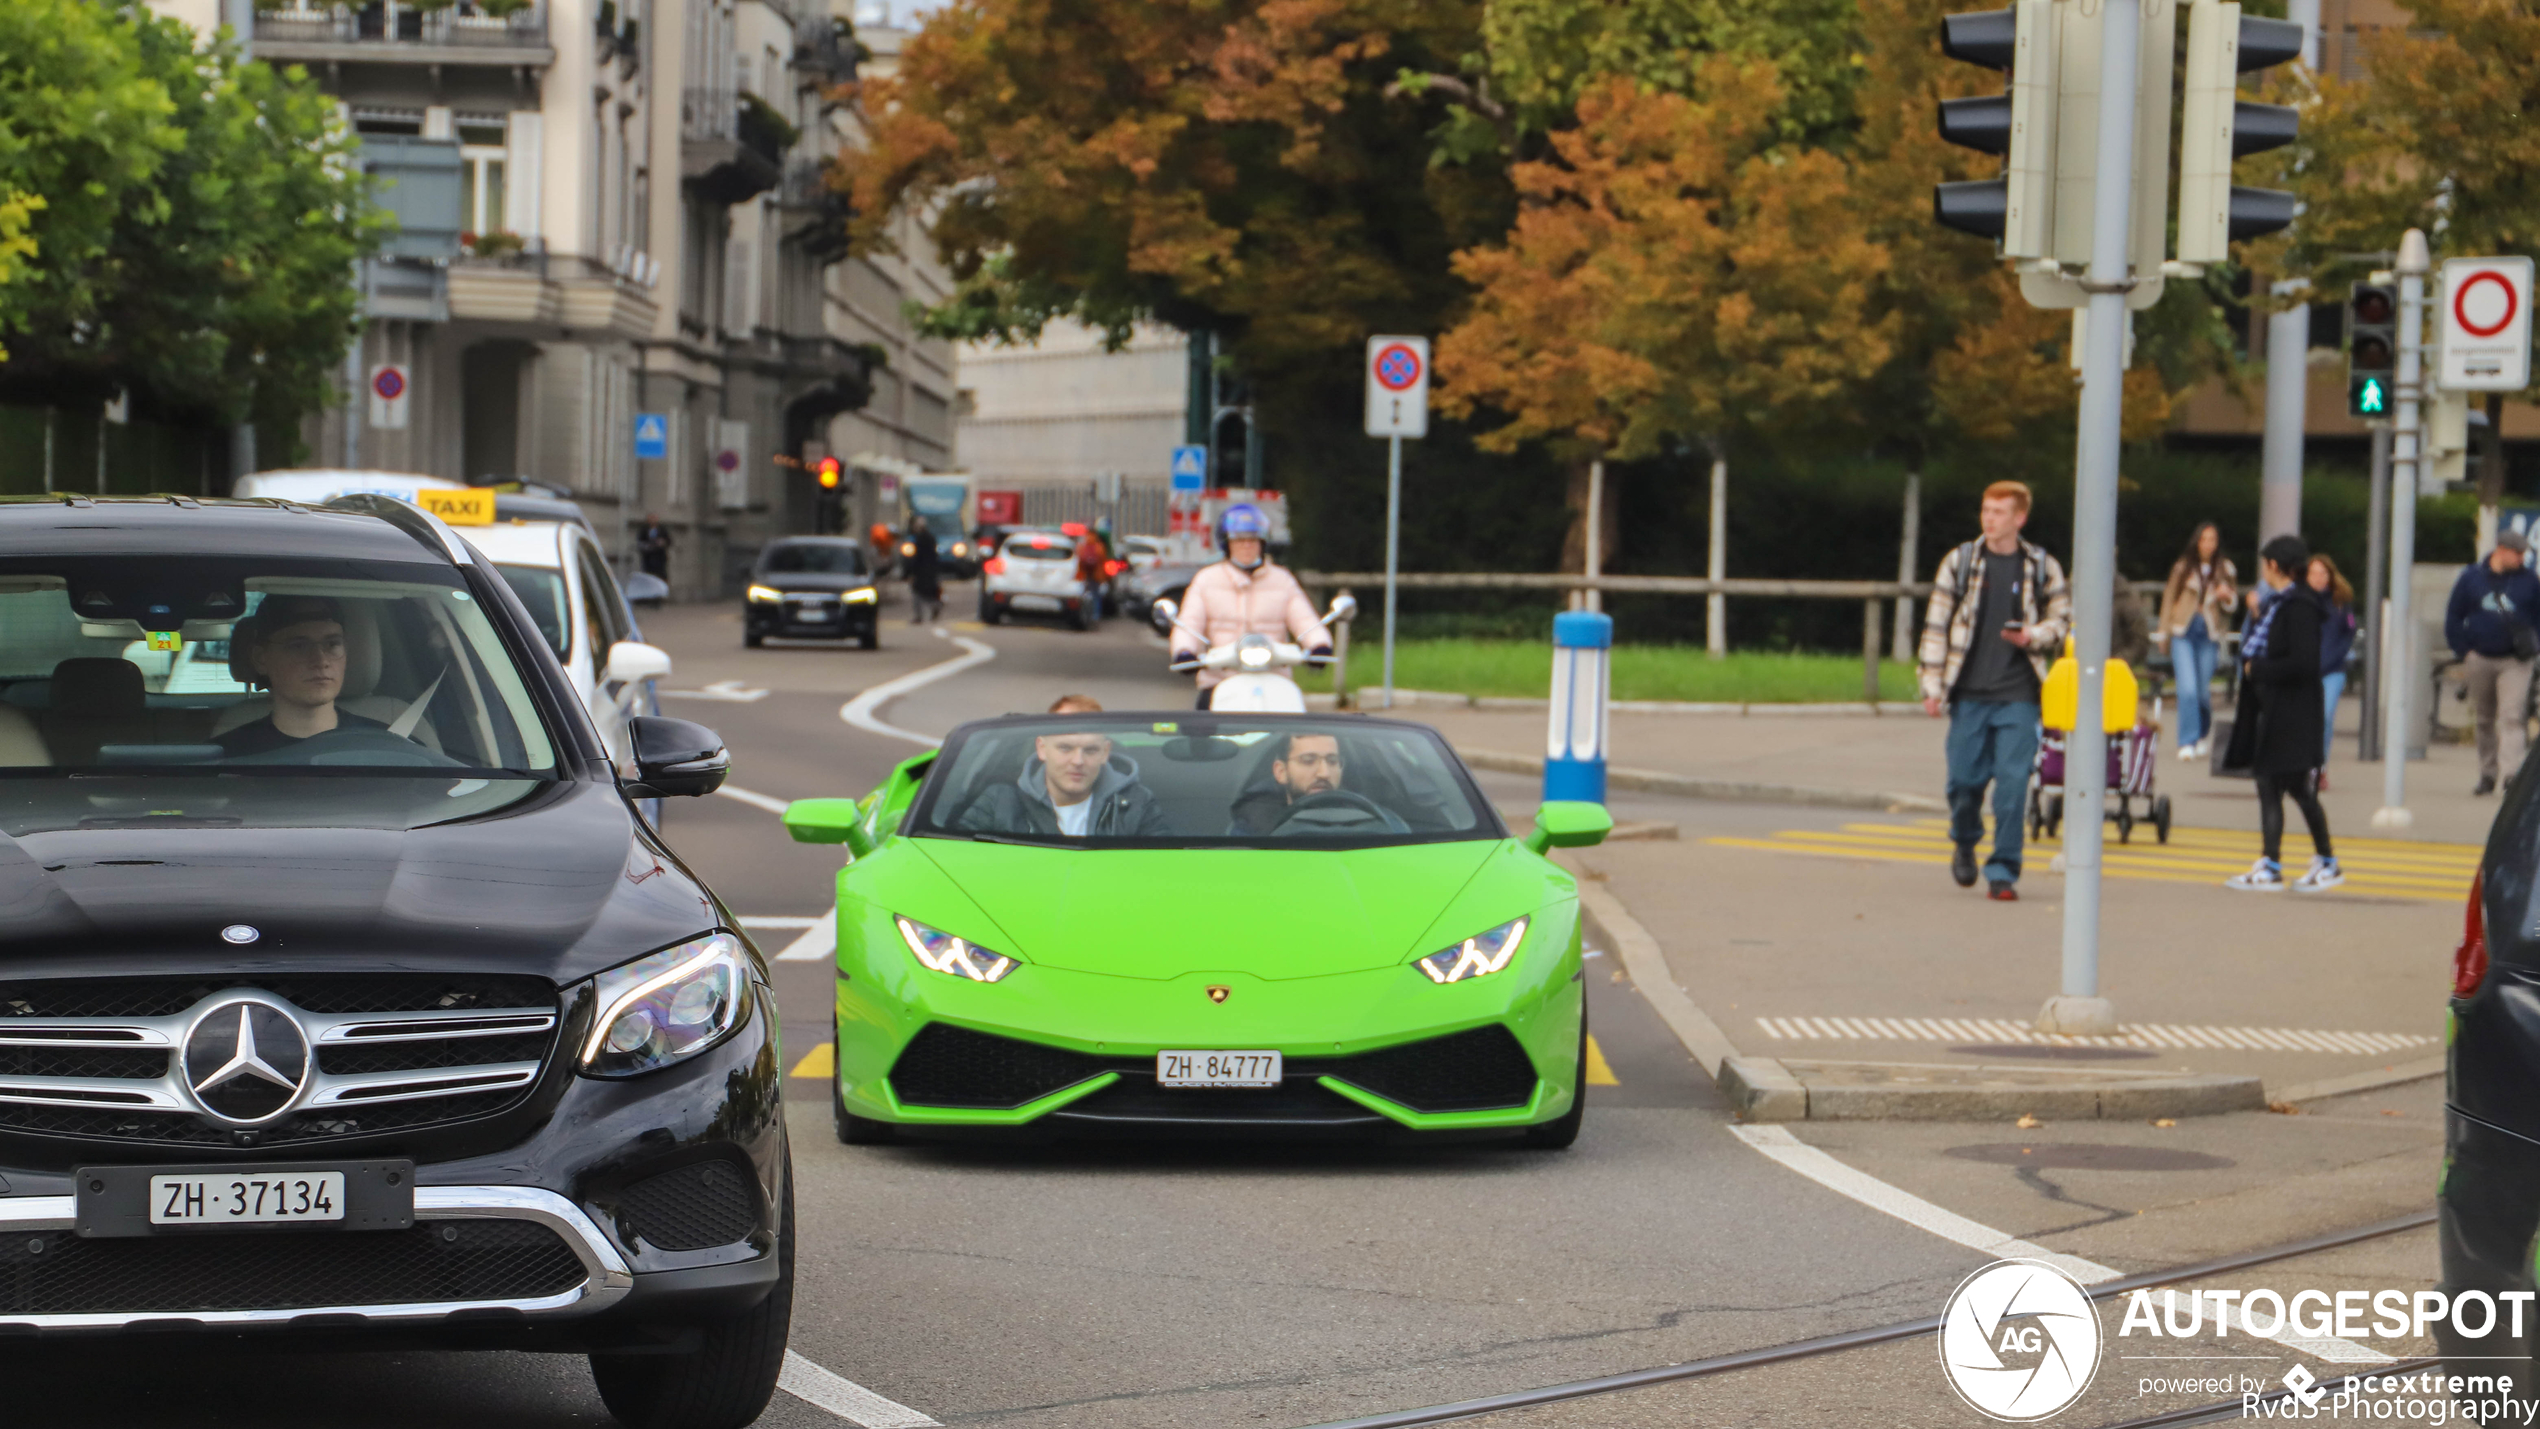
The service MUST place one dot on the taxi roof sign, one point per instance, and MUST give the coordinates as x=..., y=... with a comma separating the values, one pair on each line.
x=473, y=506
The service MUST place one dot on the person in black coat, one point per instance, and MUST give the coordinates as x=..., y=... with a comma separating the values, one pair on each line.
x=2280, y=730
x=925, y=575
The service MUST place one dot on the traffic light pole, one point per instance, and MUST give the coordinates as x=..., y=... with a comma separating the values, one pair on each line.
x=2406, y=461
x=2079, y=1010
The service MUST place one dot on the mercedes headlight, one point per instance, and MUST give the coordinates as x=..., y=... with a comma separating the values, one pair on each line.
x=959, y=957
x=766, y=594
x=862, y=595
x=673, y=1004
x=1477, y=956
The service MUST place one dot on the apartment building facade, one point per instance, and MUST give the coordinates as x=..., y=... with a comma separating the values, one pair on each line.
x=611, y=216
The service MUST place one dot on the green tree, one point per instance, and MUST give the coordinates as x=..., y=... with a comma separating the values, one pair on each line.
x=201, y=219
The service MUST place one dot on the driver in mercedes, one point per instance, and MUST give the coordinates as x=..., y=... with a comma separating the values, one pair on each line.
x=295, y=646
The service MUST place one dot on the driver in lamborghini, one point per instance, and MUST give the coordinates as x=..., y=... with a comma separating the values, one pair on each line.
x=295, y=647
x=1306, y=766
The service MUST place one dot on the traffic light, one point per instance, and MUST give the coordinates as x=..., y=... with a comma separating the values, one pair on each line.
x=2372, y=349
x=2019, y=124
x=2218, y=127
x=831, y=473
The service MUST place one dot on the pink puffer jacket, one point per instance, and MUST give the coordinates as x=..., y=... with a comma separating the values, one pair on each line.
x=1228, y=603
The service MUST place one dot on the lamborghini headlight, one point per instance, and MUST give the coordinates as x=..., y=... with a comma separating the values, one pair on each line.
x=666, y=1007
x=958, y=957
x=861, y=595
x=765, y=594
x=1477, y=956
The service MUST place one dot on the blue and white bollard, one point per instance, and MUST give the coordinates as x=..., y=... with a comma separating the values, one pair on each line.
x=1574, y=750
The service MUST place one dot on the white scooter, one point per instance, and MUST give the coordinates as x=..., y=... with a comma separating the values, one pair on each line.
x=1260, y=683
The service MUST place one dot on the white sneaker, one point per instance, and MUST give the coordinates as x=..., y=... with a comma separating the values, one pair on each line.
x=2324, y=874
x=2186, y=752
x=2262, y=877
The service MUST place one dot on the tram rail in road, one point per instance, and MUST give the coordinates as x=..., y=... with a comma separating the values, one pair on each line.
x=1849, y=1340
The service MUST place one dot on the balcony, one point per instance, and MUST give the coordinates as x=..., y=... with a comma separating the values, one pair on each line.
x=816, y=213
x=468, y=32
x=731, y=144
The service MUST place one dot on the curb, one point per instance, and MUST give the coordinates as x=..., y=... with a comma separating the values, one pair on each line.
x=1448, y=699
x=1685, y=786
x=2373, y=1081
x=1765, y=1089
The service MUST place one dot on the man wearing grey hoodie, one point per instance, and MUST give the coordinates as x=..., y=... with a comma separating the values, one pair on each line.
x=1072, y=786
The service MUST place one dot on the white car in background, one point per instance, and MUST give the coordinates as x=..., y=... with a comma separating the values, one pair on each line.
x=1034, y=573
x=560, y=575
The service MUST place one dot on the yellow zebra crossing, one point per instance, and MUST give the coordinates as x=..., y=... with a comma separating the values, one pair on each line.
x=2387, y=868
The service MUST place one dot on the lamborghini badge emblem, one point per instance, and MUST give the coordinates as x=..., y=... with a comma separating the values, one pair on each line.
x=1217, y=991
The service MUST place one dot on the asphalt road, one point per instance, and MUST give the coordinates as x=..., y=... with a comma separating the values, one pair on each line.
x=1142, y=1285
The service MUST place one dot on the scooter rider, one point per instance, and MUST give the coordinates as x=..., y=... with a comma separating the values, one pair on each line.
x=1244, y=594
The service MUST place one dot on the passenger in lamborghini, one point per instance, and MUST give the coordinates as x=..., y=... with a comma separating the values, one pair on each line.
x=1074, y=785
x=294, y=647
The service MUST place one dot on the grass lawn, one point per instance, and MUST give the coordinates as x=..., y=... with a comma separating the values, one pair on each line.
x=1641, y=672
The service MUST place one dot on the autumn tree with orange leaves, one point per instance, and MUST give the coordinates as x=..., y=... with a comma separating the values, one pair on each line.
x=1672, y=277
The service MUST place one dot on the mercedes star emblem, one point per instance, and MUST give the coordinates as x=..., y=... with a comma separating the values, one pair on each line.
x=246, y=1061
x=239, y=933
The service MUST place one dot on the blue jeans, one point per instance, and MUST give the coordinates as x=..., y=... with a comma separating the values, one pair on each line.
x=2332, y=685
x=1996, y=743
x=2192, y=653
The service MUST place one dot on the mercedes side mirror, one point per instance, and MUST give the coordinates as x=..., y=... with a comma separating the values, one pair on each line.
x=675, y=758
x=645, y=588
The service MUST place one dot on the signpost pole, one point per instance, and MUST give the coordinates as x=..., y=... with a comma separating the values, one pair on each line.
x=1393, y=549
x=2414, y=260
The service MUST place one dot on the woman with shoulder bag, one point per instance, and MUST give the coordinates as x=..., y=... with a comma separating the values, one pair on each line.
x=2195, y=614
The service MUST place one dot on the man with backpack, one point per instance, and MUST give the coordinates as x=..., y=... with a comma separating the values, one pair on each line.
x=1999, y=609
x=2493, y=625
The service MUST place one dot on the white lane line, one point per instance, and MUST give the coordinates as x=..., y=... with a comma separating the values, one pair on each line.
x=845, y=1398
x=755, y=921
x=1778, y=1143
x=818, y=943
x=753, y=798
x=864, y=711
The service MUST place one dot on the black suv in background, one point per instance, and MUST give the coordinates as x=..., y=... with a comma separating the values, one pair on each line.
x=343, y=995
x=812, y=588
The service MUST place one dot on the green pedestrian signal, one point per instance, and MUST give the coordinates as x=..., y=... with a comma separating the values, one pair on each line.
x=2369, y=398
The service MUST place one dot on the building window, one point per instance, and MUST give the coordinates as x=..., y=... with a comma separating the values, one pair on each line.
x=482, y=155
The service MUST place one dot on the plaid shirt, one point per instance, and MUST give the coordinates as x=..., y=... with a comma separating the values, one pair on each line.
x=1949, y=622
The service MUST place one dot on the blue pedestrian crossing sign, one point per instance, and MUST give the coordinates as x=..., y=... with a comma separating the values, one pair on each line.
x=1190, y=468
x=652, y=436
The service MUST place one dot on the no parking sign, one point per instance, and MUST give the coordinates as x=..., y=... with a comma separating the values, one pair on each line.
x=388, y=397
x=1397, y=386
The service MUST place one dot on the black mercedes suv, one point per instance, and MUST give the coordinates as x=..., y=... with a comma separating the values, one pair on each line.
x=344, y=996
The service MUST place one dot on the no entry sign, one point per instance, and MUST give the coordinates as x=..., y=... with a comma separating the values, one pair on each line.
x=2486, y=320
x=1397, y=386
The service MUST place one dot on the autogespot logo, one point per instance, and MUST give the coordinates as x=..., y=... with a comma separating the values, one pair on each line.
x=2019, y=1341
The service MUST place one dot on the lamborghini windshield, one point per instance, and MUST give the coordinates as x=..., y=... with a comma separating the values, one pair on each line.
x=1200, y=781
x=222, y=666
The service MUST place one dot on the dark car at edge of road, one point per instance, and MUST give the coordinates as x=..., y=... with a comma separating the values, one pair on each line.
x=2488, y=1203
x=348, y=1002
x=812, y=588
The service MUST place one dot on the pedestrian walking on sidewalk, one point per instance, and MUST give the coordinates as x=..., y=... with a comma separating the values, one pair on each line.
x=1999, y=608
x=2337, y=645
x=2277, y=732
x=2195, y=614
x=2493, y=625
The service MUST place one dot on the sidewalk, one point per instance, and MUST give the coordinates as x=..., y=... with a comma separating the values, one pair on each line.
x=1847, y=976
x=1879, y=755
